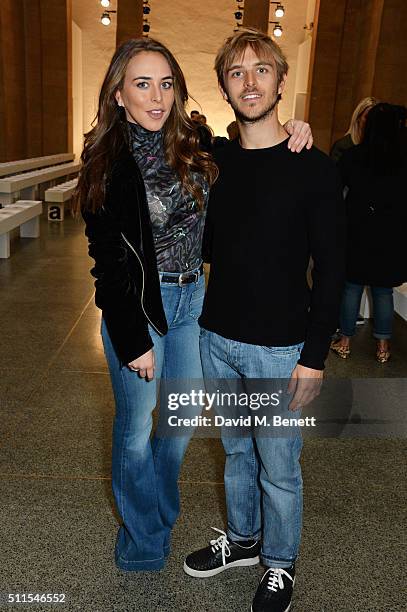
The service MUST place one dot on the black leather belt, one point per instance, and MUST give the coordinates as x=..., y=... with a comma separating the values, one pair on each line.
x=181, y=279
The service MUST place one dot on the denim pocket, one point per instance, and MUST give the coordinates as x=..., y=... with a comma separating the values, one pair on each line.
x=283, y=351
x=196, y=300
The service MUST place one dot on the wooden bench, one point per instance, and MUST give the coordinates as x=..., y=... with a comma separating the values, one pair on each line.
x=34, y=163
x=24, y=186
x=56, y=198
x=24, y=214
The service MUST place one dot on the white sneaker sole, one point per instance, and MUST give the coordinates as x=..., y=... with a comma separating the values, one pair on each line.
x=208, y=573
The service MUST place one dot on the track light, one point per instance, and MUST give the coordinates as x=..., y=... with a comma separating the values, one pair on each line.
x=105, y=3
x=279, y=12
x=278, y=30
x=105, y=19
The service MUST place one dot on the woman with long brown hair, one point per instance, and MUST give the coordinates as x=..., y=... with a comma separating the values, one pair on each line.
x=142, y=192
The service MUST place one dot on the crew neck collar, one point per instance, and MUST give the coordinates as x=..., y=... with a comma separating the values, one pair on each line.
x=272, y=148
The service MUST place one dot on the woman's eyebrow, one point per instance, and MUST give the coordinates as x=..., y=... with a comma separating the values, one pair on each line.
x=149, y=78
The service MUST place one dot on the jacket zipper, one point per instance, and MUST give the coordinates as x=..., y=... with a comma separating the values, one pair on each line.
x=142, y=288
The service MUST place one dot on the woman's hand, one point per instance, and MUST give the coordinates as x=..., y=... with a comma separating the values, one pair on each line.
x=300, y=133
x=144, y=365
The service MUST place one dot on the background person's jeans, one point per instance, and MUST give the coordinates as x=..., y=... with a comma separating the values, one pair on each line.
x=144, y=471
x=263, y=482
x=383, y=310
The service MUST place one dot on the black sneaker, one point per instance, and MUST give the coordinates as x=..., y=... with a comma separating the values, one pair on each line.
x=275, y=590
x=220, y=555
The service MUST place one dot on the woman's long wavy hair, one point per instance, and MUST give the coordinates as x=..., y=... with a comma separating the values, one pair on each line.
x=105, y=141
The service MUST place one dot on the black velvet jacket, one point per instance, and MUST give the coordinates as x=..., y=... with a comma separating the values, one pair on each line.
x=121, y=243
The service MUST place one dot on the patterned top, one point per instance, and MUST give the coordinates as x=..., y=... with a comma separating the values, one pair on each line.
x=177, y=222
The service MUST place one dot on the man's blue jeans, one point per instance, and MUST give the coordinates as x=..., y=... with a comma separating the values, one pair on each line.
x=145, y=471
x=383, y=310
x=263, y=482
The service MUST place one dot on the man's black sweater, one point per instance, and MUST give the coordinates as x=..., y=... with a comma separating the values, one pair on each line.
x=269, y=211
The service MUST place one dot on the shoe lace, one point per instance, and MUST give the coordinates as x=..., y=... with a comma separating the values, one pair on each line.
x=275, y=578
x=221, y=543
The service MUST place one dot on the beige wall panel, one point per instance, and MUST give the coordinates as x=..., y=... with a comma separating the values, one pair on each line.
x=33, y=78
x=390, y=79
x=256, y=14
x=370, y=22
x=358, y=53
x=77, y=89
x=56, y=31
x=327, y=47
x=12, y=85
x=129, y=20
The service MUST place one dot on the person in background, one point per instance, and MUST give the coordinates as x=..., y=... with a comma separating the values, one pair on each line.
x=233, y=130
x=205, y=132
x=353, y=137
x=374, y=172
x=194, y=114
x=355, y=132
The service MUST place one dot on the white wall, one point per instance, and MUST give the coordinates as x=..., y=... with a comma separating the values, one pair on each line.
x=303, y=65
x=301, y=80
x=98, y=46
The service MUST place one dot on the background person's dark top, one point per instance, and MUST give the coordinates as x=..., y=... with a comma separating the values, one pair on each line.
x=340, y=146
x=376, y=207
x=269, y=210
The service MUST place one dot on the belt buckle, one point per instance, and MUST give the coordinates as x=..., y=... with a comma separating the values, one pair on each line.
x=181, y=280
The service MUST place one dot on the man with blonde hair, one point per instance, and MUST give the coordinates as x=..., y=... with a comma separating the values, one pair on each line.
x=269, y=211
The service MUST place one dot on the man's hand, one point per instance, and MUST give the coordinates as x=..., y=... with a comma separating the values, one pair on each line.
x=306, y=384
x=144, y=365
x=300, y=133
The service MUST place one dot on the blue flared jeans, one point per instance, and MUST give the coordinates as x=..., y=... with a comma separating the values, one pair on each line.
x=145, y=468
x=263, y=482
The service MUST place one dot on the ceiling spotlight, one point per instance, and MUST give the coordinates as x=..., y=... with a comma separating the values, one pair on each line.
x=146, y=27
x=105, y=3
x=278, y=30
x=279, y=12
x=146, y=10
x=105, y=19
x=238, y=15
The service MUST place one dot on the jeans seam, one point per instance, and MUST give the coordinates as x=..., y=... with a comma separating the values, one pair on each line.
x=252, y=488
x=123, y=463
x=141, y=561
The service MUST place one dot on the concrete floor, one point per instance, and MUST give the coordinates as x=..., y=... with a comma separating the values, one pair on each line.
x=56, y=511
